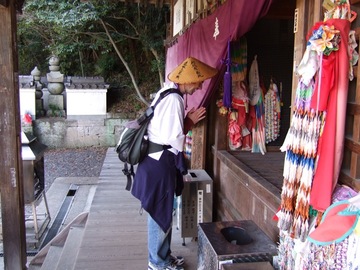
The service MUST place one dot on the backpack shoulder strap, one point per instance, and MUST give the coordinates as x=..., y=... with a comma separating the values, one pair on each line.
x=150, y=111
x=165, y=93
x=129, y=173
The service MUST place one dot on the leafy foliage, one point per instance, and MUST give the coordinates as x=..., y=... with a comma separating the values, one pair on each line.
x=94, y=38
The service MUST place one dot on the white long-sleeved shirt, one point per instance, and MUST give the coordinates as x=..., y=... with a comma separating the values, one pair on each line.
x=166, y=126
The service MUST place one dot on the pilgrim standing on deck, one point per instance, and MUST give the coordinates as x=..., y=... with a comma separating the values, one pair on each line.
x=159, y=176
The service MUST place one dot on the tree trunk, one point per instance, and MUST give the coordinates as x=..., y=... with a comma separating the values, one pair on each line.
x=161, y=77
x=125, y=64
x=133, y=62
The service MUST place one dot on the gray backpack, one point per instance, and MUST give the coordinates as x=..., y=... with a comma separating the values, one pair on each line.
x=134, y=144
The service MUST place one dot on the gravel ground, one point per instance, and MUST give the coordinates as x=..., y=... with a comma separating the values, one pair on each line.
x=73, y=162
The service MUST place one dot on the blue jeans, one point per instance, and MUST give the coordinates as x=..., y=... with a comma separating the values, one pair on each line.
x=158, y=244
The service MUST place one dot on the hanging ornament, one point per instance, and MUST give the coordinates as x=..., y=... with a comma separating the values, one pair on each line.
x=227, y=80
x=257, y=100
x=272, y=113
x=254, y=82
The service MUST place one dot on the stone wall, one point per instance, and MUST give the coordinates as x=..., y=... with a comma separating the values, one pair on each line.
x=82, y=132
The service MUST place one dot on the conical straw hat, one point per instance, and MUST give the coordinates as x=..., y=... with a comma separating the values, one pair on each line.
x=191, y=70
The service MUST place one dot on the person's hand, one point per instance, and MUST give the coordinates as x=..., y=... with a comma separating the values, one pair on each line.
x=196, y=115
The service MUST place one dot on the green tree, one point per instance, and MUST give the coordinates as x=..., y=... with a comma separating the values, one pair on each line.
x=87, y=35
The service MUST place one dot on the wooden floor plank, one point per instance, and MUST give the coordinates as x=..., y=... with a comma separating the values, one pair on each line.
x=269, y=166
x=115, y=235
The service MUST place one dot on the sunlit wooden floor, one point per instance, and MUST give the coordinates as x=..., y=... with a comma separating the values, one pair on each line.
x=115, y=236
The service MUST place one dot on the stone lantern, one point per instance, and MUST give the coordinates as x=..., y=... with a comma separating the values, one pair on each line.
x=38, y=91
x=55, y=87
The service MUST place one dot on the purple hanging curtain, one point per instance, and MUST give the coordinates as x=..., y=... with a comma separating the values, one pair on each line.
x=207, y=40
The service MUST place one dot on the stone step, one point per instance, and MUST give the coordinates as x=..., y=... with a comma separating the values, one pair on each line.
x=32, y=267
x=52, y=258
x=70, y=249
x=59, y=243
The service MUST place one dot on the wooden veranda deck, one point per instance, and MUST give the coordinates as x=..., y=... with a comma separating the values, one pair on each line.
x=115, y=235
x=269, y=166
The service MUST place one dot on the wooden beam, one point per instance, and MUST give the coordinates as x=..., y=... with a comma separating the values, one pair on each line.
x=219, y=124
x=317, y=10
x=306, y=14
x=12, y=201
x=346, y=179
x=151, y=2
x=4, y=3
x=300, y=19
x=281, y=9
x=352, y=145
x=198, y=149
x=353, y=109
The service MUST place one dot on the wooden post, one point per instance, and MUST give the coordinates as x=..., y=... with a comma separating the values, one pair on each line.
x=198, y=149
x=12, y=201
x=306, y=14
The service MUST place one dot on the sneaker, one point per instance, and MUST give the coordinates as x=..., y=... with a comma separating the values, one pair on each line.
x=178, y=260
x=172, y=266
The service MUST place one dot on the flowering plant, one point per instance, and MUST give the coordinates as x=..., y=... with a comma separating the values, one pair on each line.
x=27, y=119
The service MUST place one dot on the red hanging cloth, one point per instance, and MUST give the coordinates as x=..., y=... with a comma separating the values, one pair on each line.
x=332, y=99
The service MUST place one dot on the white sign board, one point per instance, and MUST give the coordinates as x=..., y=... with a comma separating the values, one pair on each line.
x=178, y=22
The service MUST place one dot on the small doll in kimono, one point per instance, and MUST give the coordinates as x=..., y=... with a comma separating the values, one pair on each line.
x=239, y=133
